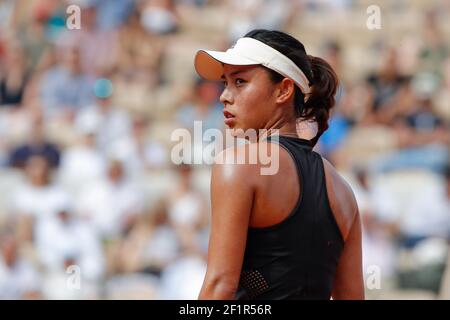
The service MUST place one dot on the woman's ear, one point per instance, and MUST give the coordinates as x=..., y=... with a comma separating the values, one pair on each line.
x=286, y=89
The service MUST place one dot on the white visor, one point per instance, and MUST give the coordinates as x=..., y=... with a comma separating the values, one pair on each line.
x=249, y=51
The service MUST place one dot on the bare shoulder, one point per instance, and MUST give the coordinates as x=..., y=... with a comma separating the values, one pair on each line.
x=237, y=162
x=341, y=198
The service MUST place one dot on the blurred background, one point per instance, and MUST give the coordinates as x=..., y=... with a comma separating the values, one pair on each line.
x=86, y=118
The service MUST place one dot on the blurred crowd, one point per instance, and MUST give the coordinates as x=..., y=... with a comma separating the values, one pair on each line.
x=86, y=116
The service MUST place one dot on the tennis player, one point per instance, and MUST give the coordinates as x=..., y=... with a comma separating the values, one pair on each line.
x=295, y=234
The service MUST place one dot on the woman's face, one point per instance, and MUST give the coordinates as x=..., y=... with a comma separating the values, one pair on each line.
x=249, y=97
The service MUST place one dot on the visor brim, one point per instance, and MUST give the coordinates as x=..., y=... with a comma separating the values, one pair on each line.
x=209, y=64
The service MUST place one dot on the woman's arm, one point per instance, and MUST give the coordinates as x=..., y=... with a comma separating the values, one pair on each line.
x=232, y=191
x=348, y=282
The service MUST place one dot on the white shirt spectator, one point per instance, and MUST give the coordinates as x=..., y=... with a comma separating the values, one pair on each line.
x=80, y=165
x=428, y=213
x=186, y=209
x=183, y=278
x=58, y=240
x=112, y=123
x=386, y=207
x=107, y=205
x=127, y=149
x=55, y=285
x=161, y=247
x=377, y=248
x=18, y=280
x=39, y=202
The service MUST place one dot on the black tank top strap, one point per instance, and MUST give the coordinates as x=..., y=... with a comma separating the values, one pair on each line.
x=283, y=141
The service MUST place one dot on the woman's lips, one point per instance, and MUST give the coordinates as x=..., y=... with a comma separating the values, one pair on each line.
x=229, y=117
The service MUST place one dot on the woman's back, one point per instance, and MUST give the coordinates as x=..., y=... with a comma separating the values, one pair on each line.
x=300, y=218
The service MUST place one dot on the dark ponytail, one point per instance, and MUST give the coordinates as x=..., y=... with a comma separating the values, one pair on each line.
x=322, y=97
x=322, y=78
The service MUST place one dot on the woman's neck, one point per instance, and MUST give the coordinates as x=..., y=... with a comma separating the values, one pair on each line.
x=282, y=127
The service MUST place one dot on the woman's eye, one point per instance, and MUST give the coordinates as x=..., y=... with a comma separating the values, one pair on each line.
x=239, y=81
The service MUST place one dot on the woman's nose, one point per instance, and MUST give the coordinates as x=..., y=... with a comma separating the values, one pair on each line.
x=226, y=97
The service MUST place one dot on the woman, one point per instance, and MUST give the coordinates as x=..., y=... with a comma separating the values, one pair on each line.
x=294, y=234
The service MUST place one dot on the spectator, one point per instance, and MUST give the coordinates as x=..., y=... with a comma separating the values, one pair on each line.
x=186, y=209
x=183, y=278
x=37, y=144
x=13, y=79
x=111, y=122
x=19, y=279
x=203, y=107
x=67, y=238
x=111, y=204
x=112, y=15
x=385, y=85
x=82, y=163
x=138, y=150
x=152, y=244
x=428, y=213
x=65, y=88
x=377, y=237
x=97, y=46
x=37, y=198
x=160, y=16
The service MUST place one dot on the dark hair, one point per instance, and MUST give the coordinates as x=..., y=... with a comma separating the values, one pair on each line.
x=322, y=78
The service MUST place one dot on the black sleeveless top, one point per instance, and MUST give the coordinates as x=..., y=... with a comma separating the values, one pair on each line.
x=296, y=258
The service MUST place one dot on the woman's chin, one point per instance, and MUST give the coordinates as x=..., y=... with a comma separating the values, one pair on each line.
x=231, y=124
